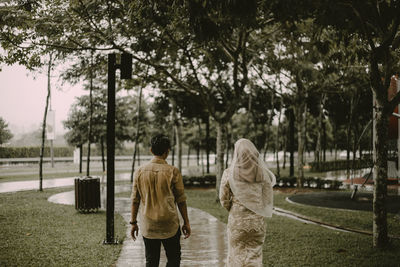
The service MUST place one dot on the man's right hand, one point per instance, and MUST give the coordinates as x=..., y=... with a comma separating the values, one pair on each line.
x=186, y=230
x=134, y=231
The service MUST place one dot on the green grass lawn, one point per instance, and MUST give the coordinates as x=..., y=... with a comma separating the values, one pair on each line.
x=358, y=220
x=35, y=232
x=293, y=243
x=38, y=233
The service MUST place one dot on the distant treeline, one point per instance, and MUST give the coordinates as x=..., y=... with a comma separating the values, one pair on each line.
x=33, y=152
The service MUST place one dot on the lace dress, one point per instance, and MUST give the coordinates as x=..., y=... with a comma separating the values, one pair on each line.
x=246, y=230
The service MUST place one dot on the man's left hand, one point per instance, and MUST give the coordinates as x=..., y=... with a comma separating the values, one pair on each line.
x=134, y=231
x=186, y=230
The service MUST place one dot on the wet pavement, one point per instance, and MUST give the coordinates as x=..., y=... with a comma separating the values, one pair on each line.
x=205, y=247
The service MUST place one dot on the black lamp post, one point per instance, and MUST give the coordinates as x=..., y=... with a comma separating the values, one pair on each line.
x=126, y=73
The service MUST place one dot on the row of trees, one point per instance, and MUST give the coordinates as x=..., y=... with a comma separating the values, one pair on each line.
x=234, y=57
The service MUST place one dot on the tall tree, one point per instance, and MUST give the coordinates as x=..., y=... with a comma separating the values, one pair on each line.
x=376, y=24
x=138, y=120
x=79, y=116
x=5, y=133
x=49, y=68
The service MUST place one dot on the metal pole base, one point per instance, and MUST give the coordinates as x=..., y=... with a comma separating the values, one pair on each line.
x=113, y=242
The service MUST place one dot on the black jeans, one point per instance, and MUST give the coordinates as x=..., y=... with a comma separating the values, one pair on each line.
x=172, y=248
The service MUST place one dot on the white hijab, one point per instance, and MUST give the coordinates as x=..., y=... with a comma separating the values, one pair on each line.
x=250, y=180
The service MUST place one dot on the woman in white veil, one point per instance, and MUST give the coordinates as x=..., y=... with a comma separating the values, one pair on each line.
x=246, y=192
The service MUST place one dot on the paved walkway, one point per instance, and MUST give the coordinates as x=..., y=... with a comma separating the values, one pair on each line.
x=205, y=247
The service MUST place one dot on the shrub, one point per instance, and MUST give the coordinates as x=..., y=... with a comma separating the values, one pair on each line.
x=206, y=180
x=309, y=182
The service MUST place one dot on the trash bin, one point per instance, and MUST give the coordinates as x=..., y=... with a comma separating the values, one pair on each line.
x=87, y=194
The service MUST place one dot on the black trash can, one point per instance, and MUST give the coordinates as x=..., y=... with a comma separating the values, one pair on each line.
x=87, y=194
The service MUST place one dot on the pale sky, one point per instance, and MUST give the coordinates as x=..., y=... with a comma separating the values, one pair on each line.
x=23, y=98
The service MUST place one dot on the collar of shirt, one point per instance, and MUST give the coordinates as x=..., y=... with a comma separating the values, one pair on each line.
x=158, y=160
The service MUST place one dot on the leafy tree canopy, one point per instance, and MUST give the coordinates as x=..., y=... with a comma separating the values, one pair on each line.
x=5, y=133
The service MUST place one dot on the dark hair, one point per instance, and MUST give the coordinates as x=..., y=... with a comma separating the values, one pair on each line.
x=160, y=144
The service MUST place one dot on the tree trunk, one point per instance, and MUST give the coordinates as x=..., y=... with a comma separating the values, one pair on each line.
x=317, y=152
x=90, y=119
x=139, y=107
x=284, y=148
x=228, y=145
x=291, y=142
x=103, y=160
x=138, y=154
x=88, y=160
x=348, y=136
x=319, y=135
x=335, y=143
x=208, y=143
x=249, y=115
x=173, y=146
x=200, y=145
x=380, y=231
x=44, y=125
x=80, y=157
x=178, y=131
x=301, y=129
x=198, y=153
x=300, y=147
x=269, y=122
x=356, y=136
x=133, y=161
x=188, y=157
x=221, y=141
x=323, y=141
x=277, y=142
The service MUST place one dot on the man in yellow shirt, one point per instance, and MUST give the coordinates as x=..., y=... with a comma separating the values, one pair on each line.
x=157, y=190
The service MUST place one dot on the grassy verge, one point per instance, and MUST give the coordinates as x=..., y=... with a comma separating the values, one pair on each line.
x=36, y=232
x=359, y=220
x=65, y=174
x=293, y=243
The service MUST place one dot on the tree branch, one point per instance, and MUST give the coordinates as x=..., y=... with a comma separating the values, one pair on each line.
x=364, y=27
x=395, y=28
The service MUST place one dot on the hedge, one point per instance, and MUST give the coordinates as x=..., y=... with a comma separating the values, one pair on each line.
x=309, y=182
x=203, y=181
x=208, y=180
